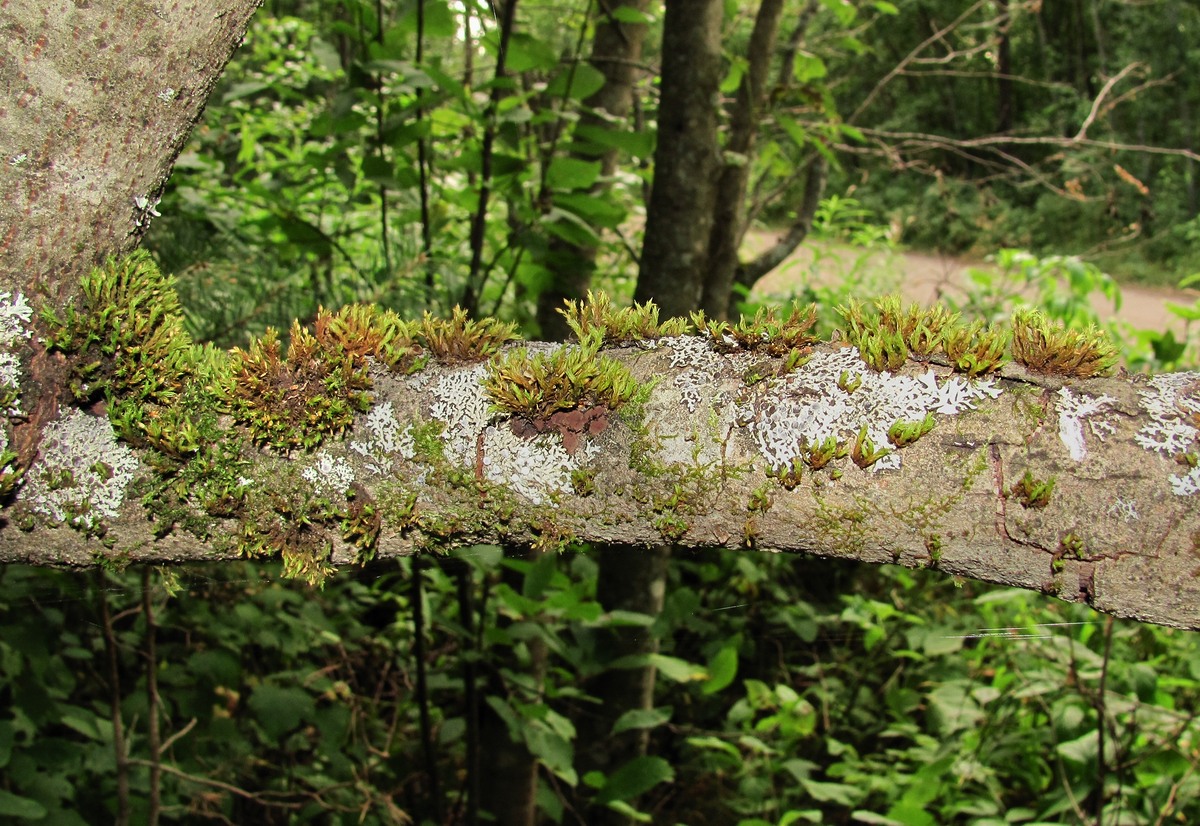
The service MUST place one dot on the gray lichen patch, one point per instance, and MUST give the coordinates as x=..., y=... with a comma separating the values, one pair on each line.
x=477, y=437
x=81, y=472
x=1172, y=401
x=834, y=395
x=1074, y=410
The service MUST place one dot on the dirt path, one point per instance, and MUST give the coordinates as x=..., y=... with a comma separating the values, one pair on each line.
x=925, y=278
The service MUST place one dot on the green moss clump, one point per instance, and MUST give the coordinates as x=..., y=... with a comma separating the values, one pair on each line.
x=461, y=340
x=1031, y=492
x=1048, y=347
x=296, y=402
x=903, y=433
x=538, y=385
x=976, y=349
x=766, y=332
x=621, y=325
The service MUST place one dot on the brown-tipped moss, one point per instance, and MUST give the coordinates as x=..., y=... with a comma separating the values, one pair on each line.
x=1032, y=493
x=460, y=340
x=537, y=385
x=362, y=330
x=766, y=332
x=619, y=325
x=864, y=453
x=1049, y=347
x=298, y=401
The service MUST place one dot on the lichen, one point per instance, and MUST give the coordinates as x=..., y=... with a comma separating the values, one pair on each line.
x=1073, y=411
x=1172, y=401
x=384, y=440
x=811, y=406
x=81, y=473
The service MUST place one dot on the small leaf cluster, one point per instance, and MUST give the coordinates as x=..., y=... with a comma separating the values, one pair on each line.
x=1048, y=347
x=766, y=332
x=886, y=339
x=619, y=325
x=1031, y=492
x=537, y=385
x=462, y=340
x=296, y=402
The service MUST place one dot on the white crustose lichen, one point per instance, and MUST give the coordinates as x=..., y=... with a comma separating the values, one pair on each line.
x=808, y=406
x=330, y=475
x=385, y=440
x=1073, y=411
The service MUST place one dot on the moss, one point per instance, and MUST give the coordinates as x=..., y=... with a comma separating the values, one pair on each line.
x=761, y=499
x=462, y=340
x=905, y=433
x=768, y=332
x=535, y=386
x=886, y=338
x=933, y=544
x=596, y=315
x=1048, y=347
x=864, y=453
x=1031, y=492
x=583, y=481
x=672, y=527
x=296, y=402
x=1071, y=545
x=126, y=337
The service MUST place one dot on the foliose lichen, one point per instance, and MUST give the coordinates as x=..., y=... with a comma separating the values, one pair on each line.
x=1172, y=401
x=811, y=406
x=1075, y=409
x=81, y=473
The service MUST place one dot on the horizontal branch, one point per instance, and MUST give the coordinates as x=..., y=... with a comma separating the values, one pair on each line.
x=1085, y=490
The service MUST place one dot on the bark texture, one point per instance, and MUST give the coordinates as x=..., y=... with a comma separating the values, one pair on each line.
x=713, y=457
x=679, y=216
x=97, y=102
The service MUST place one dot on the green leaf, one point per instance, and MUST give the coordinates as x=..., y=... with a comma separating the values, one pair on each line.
x=572, y=173
x=793, y=130
x=637, y=144
x=635, y=778
x=722, y=668
x=279, y=709
x=673, y=668
x=629, y=14
x=585, y=81
x=884, y=7
x=13, y=806
x=839, y=793
x=807, y=68
x=595, y=209
x=640, y=718
x=552, y=751
x=526, y=53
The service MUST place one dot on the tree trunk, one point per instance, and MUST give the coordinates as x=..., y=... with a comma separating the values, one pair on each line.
x=680, y=214
x=616, y=53
x=729, y=215
x=99, y=100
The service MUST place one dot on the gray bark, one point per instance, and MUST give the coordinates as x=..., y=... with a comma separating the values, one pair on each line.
x=98, y=100
x=1121, y=530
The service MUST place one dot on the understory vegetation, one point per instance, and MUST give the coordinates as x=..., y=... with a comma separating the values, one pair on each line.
x=344, y=158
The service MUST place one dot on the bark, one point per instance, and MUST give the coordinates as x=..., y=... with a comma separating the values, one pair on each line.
x=730, y=210
x=99, y=99
x=693, y=465
x=616, y=53
x=679, y=217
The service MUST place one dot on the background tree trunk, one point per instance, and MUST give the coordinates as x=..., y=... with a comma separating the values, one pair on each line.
x=680, y=215
x=616, y=53
x=729, y=214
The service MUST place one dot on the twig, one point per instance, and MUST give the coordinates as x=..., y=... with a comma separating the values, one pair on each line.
x=114, y=677
x=154, y=802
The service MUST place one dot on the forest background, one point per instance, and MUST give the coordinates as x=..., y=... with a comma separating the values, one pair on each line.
x=428, y=155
